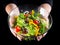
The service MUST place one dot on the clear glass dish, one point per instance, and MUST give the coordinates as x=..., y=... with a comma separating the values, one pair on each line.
x=16, y=11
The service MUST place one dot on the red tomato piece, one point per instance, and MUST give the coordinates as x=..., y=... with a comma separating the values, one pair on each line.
x=17, y=28
x=36, y=21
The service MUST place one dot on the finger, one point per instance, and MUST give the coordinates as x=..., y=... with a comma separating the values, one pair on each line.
x=16, y=35
x=39, y=38
x=13, y=32
x=19, y=37
x=11, y=21
x=47, y=23
x=44, y=34
x=9, y=7
x=43, y=12
x=46, y=20
x=14, y=12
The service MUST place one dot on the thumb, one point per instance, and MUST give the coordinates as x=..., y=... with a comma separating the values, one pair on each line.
x=11, y=7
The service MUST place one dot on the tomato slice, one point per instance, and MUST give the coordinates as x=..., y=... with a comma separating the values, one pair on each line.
x=36, y=21
x=17, y=28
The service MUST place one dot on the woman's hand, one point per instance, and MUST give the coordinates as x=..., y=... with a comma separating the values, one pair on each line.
x=44, y=10
x=11, y=13
x=11, y=7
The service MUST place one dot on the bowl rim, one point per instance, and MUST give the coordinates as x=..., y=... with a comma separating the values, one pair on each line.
x=49, y=17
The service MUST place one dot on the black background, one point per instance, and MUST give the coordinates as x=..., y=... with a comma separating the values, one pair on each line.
x=6, y=36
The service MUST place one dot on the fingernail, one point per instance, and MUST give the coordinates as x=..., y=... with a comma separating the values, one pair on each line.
x=39, y=38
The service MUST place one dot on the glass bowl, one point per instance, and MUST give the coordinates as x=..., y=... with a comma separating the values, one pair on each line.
x=17, y=11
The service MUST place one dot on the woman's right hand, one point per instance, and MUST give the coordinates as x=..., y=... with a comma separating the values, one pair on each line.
x=11, y=13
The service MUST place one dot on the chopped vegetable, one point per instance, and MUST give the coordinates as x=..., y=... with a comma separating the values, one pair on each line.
x=21, y=15
x=36, y=21
x=17, y=28
x=26, y=15
x=15, y=16
x=30, y=24
x=33, y=12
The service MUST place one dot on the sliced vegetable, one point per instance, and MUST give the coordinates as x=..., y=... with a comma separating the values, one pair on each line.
x=29, y=24
x=24, y=30
x=20, y=22
x=27, y=20
x=26, y=15
x=15, y=17
x=17, y=28
x=33, y=12
x=37, y=31
x=36, y=21
x=22, y=15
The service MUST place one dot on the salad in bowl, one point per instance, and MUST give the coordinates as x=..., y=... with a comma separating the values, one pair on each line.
x=28, y=25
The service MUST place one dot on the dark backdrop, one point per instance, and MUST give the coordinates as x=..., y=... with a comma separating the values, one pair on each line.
x=6, y=36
